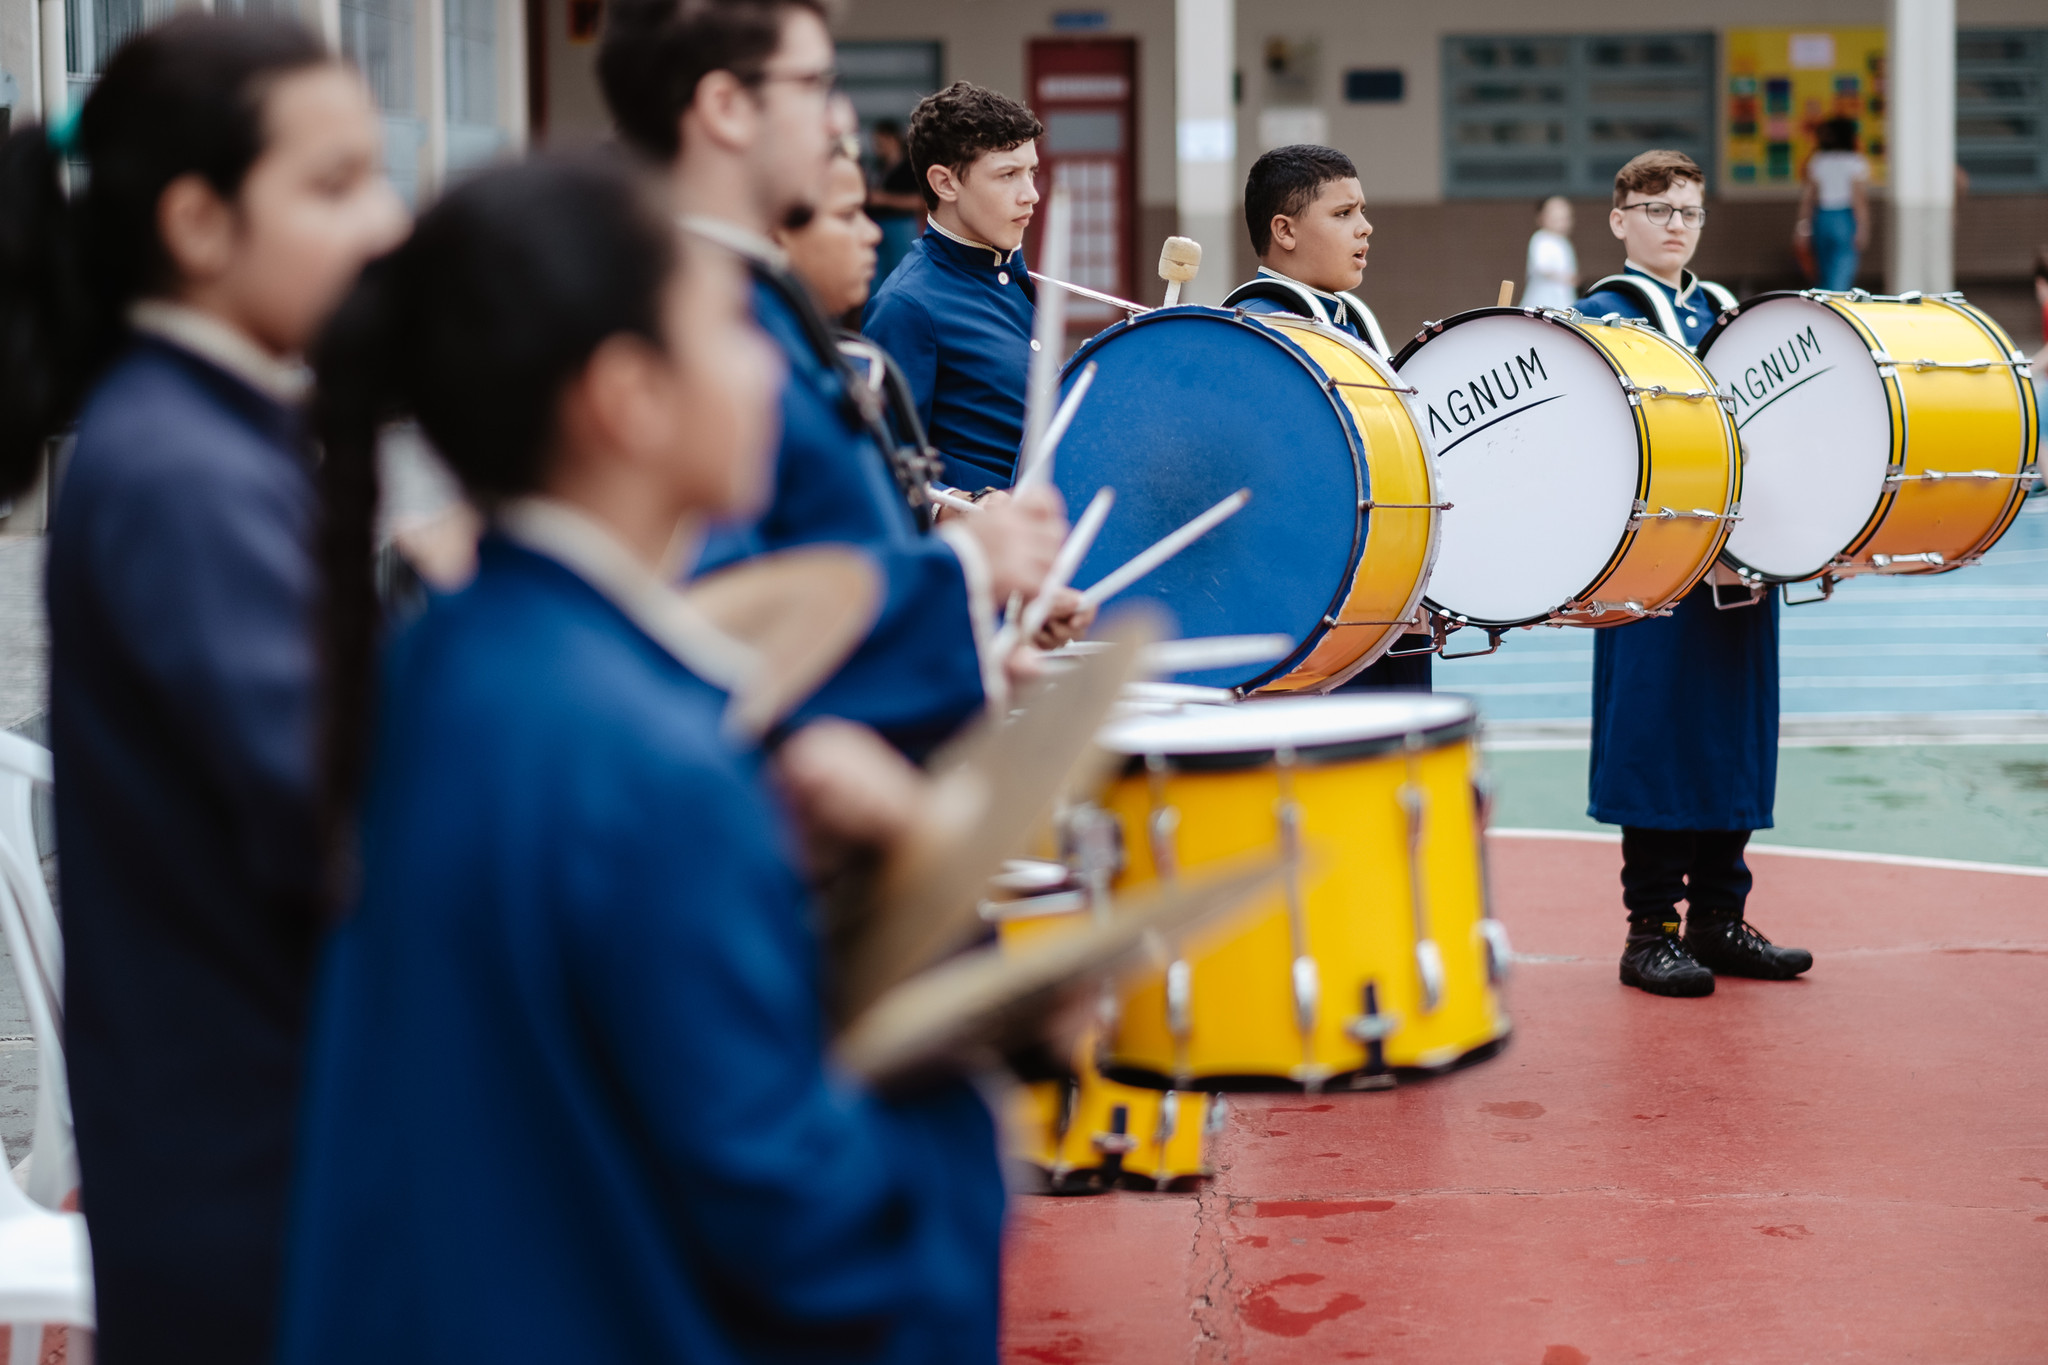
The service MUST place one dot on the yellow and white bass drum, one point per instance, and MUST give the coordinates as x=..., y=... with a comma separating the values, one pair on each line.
x=1882, y=435
x=1590, y=466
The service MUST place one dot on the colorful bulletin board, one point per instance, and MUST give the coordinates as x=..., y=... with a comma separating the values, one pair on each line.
x=1783, y=83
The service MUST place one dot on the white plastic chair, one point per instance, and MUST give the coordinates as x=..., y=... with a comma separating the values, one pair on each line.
x=45, y=1259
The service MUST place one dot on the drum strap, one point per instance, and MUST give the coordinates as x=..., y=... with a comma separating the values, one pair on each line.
x=1656, y=306
x=1299, y=299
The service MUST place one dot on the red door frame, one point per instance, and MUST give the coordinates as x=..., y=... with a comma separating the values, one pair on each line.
x=1101, y=77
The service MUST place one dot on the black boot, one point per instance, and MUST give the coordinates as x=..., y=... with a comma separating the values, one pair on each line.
x=1730, y=947
x=1656, y=961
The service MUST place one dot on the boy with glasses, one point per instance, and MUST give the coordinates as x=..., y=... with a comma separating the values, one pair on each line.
x=737, y=99
x=1685, y=707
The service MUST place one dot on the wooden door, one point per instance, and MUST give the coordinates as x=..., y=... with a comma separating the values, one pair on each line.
x=1085, y=91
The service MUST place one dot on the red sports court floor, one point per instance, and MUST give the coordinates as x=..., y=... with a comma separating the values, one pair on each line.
x=1851, y=1167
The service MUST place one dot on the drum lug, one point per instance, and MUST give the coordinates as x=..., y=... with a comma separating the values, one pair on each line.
x=1499, y=956
x=1180, y=990
x=1307, y=990
x=1218, y=1117
x=1429, y=970
x=1372, y=1029
x=1932, y=557
x=1117, y=1143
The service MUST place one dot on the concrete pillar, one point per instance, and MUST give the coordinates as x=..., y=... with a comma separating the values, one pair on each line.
x=1921, y=145
x=55, y=89
x=1205, y=65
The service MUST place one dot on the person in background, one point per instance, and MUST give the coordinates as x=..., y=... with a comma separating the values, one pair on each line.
x=958, y=313
x=2041, y=298
x=1685, y=706
x=733, y=99
x=1834, y=205
x=568, y=1096
x=1553, y=269
x=233, y=188
x=893, y=200
x=831, y=248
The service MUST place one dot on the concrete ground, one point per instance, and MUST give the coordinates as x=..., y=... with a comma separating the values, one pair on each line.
x=1850, y=1167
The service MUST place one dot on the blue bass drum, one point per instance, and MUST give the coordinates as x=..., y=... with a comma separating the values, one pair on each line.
x=1191, y=404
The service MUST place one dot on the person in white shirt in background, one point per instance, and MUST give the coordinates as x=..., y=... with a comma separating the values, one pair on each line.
x=1834, y=207
x=1553, y=274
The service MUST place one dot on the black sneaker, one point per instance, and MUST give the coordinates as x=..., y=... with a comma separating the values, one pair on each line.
x=1655, y=960
x=1730, y=947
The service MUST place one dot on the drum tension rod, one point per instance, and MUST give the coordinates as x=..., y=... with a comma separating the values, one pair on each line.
x=2026, y=475
x=1383, y=388
x=1642, y=512
x=1638, y=392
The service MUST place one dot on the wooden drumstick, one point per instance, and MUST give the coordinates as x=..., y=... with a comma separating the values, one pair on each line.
x=1169, y=545
x=1065, y=562
x=1507, y=294
x=1037, y=467
x=1179, y=260
x=1049, y=332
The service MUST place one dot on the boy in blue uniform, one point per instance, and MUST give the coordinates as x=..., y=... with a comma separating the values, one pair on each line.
x=957, y=314
x=734, y=96
x=1685, y=707
x=1305, y=210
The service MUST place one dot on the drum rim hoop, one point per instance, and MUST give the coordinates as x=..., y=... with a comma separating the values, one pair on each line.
x=1439, y=736
x=1354, y=438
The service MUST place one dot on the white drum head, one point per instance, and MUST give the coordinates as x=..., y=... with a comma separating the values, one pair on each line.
x=1816, y=433
x=1303, y=724
x=1537, y=455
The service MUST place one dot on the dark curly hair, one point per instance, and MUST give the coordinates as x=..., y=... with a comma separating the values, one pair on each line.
x=1285, y=181
x=656, y=52
x=960, y=123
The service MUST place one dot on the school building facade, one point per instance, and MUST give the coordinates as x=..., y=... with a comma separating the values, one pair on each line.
x=1461, y=114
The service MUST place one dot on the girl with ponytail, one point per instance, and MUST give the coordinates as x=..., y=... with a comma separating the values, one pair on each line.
x=225, y=188
x=566, y=1091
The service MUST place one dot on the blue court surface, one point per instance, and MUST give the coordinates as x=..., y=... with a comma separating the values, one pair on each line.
x=1973, y=642
x=1915, y=714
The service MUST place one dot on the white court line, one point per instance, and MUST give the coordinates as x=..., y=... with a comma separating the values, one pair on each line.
x=1601, y=836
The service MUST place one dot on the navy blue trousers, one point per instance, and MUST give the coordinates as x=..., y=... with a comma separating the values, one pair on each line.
x=1702, y=867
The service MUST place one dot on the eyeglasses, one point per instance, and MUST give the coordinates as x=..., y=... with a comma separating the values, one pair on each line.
x=825, y=82
x=1659, y=212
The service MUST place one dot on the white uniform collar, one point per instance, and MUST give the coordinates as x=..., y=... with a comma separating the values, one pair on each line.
x=1001, y=257
x=222, y=345
x=1686, y=277
x=742, y=241
x=587, y=549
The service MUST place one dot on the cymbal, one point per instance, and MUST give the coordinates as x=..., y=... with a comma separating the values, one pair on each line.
x=803, y=611
x=991, y=788
x=994, y=996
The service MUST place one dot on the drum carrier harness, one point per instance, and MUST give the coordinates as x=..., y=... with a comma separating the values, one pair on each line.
x=1299, y=299
x=1658, y=308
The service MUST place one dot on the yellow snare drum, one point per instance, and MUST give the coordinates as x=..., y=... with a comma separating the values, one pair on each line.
x=1087, y=1134
x=1591, y=467
x=1883, y=435
x=1379, y=955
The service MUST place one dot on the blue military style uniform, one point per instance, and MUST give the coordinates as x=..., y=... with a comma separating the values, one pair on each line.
x=957, y=316
x=568, y=1095
x=1685, y=707
x=919, y=674
x=1272, y=292
x=182, y=596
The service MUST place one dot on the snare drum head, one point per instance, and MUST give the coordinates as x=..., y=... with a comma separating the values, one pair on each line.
x=1536, y=453
x=1254, y=731
x=1816, y=432
x=1188, y=406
